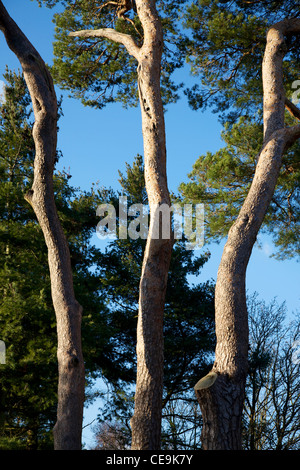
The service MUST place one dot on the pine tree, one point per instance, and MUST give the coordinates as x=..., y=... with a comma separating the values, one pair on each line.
x=225, y=52
x=92, y=58
x=101, y=71
x=189, y=310
x=221, y=400
x=221, y=181
x=225, y=48
x=106, y=283
x=28, y=381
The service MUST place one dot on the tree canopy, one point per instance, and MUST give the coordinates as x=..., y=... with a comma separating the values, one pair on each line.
x=223, y=43
x=28, y=380
x=106, y=283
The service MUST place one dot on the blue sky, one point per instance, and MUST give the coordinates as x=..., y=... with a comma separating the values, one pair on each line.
x=96, y=144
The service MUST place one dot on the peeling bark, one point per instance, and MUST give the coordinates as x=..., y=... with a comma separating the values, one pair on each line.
x=222, y=402
x=67, y=431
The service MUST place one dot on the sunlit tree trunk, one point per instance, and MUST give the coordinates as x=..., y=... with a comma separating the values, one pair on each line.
x=67, y=431
x=221, y=399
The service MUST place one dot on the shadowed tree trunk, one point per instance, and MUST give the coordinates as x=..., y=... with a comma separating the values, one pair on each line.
x=221, y=394
x=146, y=422
x=67, y=431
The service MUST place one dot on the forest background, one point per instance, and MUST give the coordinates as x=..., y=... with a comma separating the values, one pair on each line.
x=93, y=154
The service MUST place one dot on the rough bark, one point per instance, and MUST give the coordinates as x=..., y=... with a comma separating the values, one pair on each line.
x=222, y=402
x=67, y=431
x=146, y=422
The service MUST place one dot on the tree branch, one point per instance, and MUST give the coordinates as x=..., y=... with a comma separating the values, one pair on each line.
x=109, y=33
x=272, y=73
x=293, y=110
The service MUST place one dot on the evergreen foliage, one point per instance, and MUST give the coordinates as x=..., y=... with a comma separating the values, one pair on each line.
x=225, y=52
x=99, y=71
x=106, y=284
x=224, y=44
x=28, y=381
x=221, y=181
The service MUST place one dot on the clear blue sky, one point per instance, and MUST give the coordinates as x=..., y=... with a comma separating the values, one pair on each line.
x=96, y=144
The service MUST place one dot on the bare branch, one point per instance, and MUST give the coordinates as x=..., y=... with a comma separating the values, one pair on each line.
x=109, y=33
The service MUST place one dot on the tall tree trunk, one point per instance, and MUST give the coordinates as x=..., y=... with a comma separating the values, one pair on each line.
x=221, y=399
x=146, y=422
x=67, y=431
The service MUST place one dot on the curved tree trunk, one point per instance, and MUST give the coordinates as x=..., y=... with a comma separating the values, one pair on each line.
x=67, y=431
x=221, y=400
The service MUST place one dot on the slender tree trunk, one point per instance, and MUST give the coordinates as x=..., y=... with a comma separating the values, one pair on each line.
x=67, y=431
x=146, y=422
x=222, y=400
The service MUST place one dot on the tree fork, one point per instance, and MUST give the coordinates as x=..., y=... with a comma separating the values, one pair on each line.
x=221, y=400
x=67, y=430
